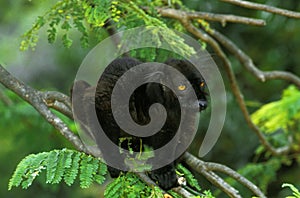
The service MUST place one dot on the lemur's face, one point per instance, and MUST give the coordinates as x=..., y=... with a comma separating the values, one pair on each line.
x=167, y=97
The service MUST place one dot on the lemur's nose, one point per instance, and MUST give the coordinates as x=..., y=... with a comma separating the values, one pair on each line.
x=202, y=104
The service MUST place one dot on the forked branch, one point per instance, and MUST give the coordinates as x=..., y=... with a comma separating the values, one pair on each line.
x=198, y=33
x=38, y=100
x=42, y=101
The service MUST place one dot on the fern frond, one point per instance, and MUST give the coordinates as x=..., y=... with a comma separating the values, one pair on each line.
x=59, y=164
x=281, y=114
x=51, y=165
x=113, y=189
x=100, y=176
x=88, y=168
x=60, y=167
x=27, y=170
x=72, y=171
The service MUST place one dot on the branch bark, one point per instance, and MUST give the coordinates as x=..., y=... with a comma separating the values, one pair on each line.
x=198, y=33
x=267, y=8
x=36, y=99
x=59, y=102
x=222, y=18
x=207, y=170
x=247, y=62
x=42, y=101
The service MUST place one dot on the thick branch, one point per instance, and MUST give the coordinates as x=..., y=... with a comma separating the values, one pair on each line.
x=41, y=101
x=271, y=9
x=200, y=167
x=36, y=99
x=207, y=168
x=223, y=18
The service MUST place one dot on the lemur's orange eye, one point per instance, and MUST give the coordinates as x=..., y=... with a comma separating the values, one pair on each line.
x=202, y=84
x=181, y=87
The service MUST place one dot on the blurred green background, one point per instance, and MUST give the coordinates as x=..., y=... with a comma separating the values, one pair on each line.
x=53, y=67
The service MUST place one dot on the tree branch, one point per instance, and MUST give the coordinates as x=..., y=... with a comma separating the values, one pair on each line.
x=182, y=17
x=223, y=18
x=36, y=99
x=247, y=62
x=271, y=9
x=183, y=192
x=59, y=102
x=41, y=101
x=199, y=166
x=207, y=168
x=228, y=171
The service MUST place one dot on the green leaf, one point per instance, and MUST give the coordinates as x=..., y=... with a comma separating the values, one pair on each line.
x=88, y=168
x=66, y=41
x=113, y=189
x=72, y=171
x=27, y=170
x=66, y=25
x=59, y=164
x=281, y=114
x=51, y=165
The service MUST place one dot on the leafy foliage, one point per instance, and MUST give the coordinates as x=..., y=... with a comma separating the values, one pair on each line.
x=281, y=114
x=280, y=119
x=92, y=17
x=59, y=164
x=89, y=17
x=130, y=186
x=66, y=15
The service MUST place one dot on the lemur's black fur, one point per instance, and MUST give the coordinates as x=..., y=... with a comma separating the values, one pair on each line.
x=140, y=101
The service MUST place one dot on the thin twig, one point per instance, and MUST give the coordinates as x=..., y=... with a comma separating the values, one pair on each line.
x=207, y=168
x=228, y=171
x=247, y=62
x=59, y=102
x=222, y=18
x=232, y=80
x=199, y=166
x=267, y=8
x=57, y=96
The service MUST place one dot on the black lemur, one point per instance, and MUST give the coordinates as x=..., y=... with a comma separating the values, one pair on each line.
x=140, y=101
